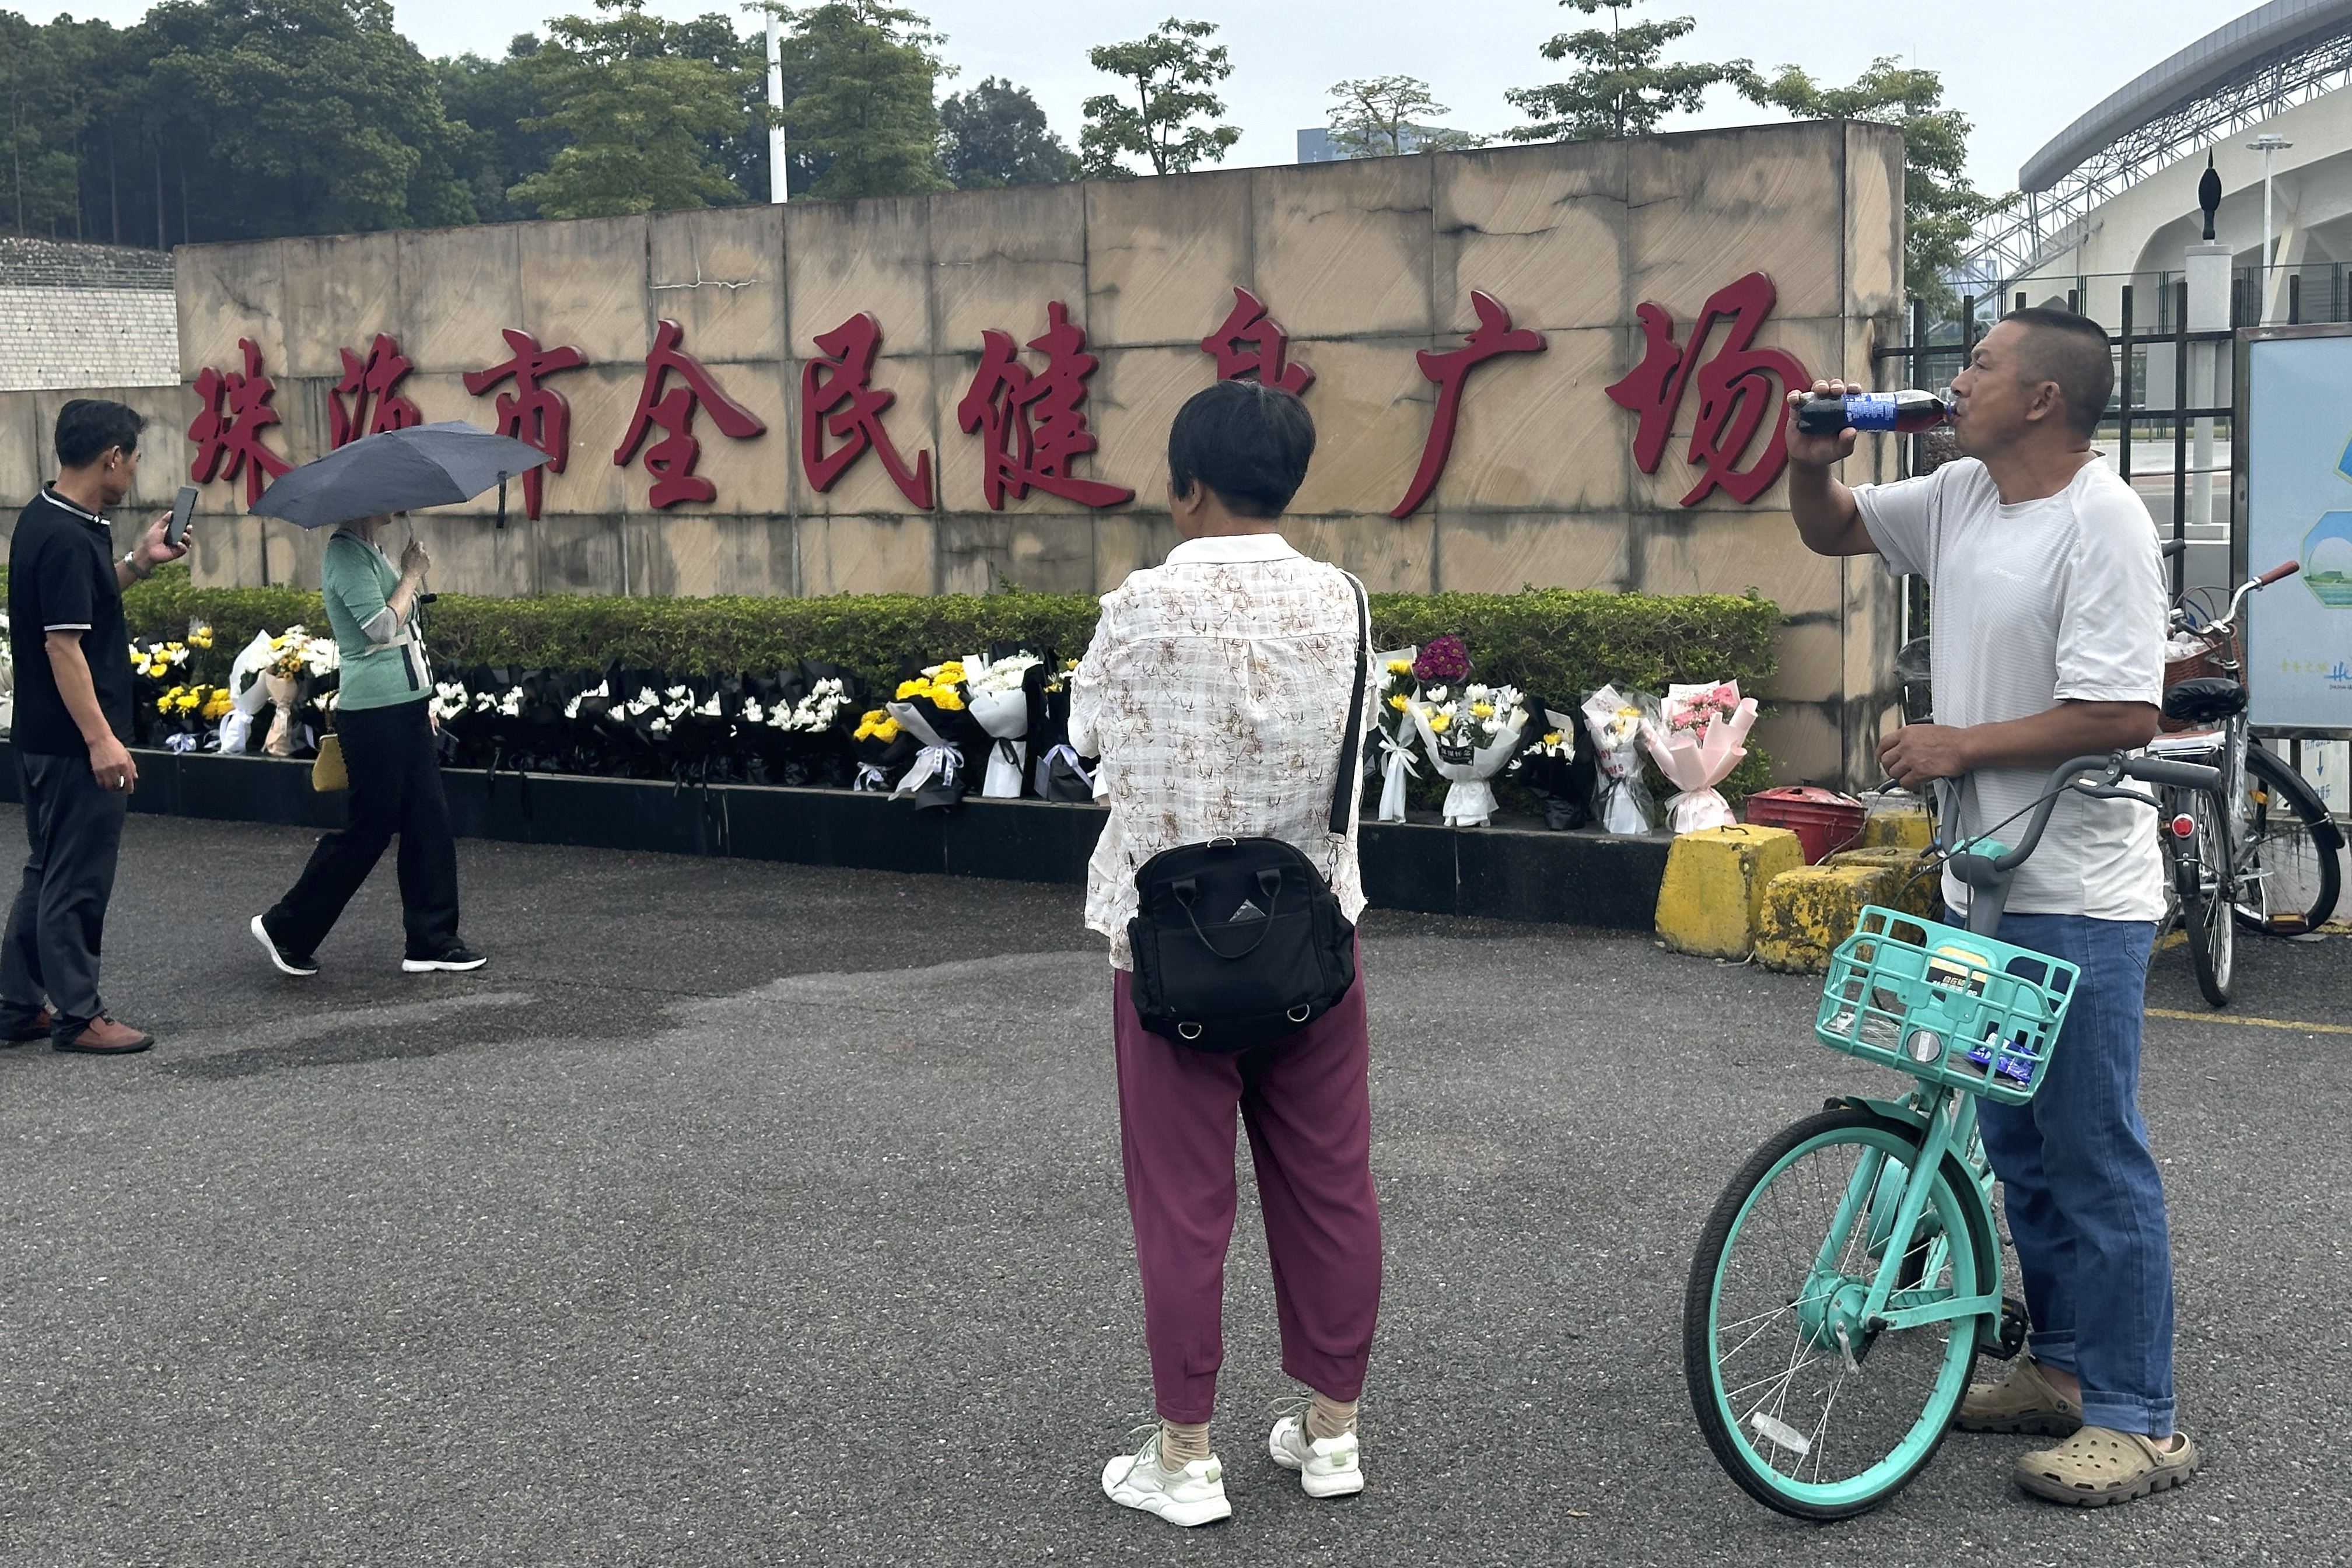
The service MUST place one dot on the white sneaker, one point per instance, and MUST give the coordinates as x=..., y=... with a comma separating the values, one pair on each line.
x=1194, y=1494
x=1326, y=1466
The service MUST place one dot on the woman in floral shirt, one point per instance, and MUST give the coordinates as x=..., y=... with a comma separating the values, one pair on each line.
x=1216, y=694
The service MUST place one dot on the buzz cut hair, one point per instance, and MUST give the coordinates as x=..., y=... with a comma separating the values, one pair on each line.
x=2071, y=350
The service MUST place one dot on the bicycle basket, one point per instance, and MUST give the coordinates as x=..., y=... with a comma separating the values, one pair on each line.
x=2217, y=656
x=1945, y=1005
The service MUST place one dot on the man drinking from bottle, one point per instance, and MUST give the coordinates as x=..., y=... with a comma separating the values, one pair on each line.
x=2047, y=644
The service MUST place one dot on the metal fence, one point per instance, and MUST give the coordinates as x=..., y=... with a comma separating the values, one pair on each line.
x=2171, y=423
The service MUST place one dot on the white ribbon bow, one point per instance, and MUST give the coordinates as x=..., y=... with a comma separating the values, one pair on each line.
x=1396, y=766
x=940, y=764
x=870, y=777
x=1077, y=766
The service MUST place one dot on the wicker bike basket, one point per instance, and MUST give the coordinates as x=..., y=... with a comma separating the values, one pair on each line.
x=2216, y=658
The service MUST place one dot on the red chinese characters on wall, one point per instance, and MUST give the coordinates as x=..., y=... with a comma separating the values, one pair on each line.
x=1252, y=344
x=228, y=432
x=1033, y=427
x=1494, y=335
x=368, y=381
x=838, y=399
x=671, y=459
x=534, y=414
x=1736, y=393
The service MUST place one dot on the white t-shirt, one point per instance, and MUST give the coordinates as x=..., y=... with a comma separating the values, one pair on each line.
x=2036, y=604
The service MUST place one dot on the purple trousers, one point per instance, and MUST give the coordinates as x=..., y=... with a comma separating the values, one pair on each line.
x=1308, y=1111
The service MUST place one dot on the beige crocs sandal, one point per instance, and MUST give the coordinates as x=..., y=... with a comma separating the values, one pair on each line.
x=2022, y=1401
x=2098, y=1465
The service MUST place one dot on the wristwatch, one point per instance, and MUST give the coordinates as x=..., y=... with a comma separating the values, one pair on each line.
x=131, y=565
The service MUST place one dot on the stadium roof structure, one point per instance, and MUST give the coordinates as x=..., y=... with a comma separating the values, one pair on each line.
x=2269, y=59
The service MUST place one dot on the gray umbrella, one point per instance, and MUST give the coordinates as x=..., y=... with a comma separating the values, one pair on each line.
x=399, y=471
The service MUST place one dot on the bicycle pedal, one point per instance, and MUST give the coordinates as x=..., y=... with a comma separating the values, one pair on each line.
x=2012, y=1334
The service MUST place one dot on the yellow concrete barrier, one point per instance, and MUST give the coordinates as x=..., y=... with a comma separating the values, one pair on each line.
x=1913, y=890
x=1713, y=894
x=1808, y=911
x=1893, y=824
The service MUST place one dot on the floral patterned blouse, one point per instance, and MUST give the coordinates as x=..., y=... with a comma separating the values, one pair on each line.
x=1216, y=692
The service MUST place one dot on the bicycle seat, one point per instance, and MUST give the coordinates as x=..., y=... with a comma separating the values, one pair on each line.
x=2205, y=701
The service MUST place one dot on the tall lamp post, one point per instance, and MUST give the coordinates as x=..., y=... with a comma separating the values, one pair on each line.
x=2268, y=144
x=776, y=167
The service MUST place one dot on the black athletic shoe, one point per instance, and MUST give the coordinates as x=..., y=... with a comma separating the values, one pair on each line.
x=287, y=963
x=457, y=956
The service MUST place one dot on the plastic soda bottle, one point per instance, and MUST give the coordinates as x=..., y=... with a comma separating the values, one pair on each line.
x=1901, y=412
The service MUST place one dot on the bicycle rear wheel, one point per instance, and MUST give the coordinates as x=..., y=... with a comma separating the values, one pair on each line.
x=1807, y=1424
x=2203, y=881
x=2290, y=874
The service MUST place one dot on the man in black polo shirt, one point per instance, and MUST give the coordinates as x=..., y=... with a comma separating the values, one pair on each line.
x=72, y=725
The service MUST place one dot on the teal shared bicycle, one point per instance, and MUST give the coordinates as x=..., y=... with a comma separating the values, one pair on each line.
x=1851, y=1273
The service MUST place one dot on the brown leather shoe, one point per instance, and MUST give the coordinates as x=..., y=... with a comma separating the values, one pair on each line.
x=36, y=1028
x=105, y=1037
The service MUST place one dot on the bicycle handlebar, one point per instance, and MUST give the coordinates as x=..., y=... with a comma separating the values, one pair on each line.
x=2067, y=775
x=2229, y=621
x=2182, y=775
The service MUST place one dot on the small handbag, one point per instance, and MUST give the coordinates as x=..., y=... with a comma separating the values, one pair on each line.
x=326, y=775
x=1240, y=942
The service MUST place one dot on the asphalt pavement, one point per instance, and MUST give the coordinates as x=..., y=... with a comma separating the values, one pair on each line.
x=743, y=1214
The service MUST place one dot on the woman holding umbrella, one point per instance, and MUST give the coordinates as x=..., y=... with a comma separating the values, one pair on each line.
x=383, y=719
x=383, y=706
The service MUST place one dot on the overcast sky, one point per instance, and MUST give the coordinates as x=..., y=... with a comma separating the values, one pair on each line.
x=2022, y=69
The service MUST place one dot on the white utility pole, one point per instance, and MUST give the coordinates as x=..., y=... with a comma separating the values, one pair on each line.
x=2268, y=144
x=775, y=103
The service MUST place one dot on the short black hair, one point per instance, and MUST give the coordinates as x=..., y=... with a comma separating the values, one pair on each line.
x=2071, y=350
x=87, y=427
x=1248, y=442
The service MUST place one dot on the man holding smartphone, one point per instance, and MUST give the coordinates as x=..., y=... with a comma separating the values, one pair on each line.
x=72, y=653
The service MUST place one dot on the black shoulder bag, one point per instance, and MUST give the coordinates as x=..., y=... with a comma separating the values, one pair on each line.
x=1239, y=941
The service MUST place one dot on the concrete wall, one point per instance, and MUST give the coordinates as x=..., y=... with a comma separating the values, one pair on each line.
x=28, y=421
x=1364, y=263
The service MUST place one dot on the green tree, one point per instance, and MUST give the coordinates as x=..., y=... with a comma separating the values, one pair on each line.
x=45, y=110
x=1940, y=207
x=1374, y=118
x=638, y=116
x=1624, y=87
x=299, y=117
x=995, y=134
x=492, y=100
x=1171, y=75
x=859, y=116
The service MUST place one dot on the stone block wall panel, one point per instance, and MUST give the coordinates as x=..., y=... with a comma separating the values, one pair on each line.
x=1365, y=265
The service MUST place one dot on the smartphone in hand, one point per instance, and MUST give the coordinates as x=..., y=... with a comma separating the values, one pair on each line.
x=183, y=505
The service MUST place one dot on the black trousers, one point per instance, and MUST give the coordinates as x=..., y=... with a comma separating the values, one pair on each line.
x=74, y=826
x=395, y=773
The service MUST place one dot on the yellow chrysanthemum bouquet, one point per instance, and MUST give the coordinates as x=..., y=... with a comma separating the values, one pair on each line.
x=1389, y=754
x=1471, y=732
x=1614, y=719
x=934, y=709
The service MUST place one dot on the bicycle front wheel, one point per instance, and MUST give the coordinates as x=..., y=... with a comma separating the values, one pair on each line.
x=2206, y=890
x=1811, y=1413
x=2289, y=878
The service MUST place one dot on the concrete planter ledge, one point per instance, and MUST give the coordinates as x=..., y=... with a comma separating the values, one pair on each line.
x=1504, y=873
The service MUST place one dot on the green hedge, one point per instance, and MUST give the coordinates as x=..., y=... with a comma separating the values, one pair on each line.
x=1551, y=641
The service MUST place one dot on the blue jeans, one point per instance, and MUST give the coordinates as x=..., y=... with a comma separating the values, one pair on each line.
x=2086, y=1202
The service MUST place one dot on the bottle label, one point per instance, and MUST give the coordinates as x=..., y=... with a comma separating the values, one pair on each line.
x=1870, y=410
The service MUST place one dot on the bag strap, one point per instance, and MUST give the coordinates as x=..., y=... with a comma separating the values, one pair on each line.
x=1348, y=784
